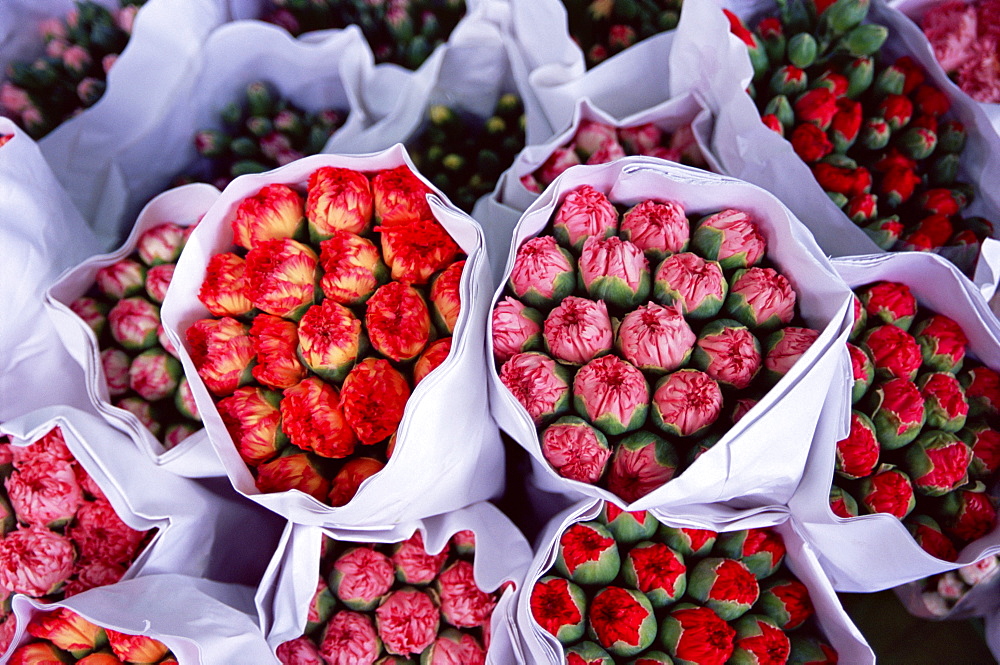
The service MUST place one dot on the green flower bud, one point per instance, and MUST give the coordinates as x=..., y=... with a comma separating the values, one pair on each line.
x=788, y=80
x=780, y=107
x=845, y=15
x=864, y=40
x=859, y=73
x=917, y=142
x=944, y=170
x=802, y=50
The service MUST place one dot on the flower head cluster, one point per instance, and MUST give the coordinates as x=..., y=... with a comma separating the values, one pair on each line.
x=925, y=432
x=396, y=600
x=965, y=38
x=626, y=587
x=940, y=593
x=324, y=321
x=59, y=535
x=122, y=308
x=604, y=28
x=599, y=320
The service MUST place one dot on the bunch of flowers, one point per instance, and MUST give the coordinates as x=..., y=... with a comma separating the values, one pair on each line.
x=404, y=32
x=635, y=340
x=60, y=534
x=602, y=28
x=334, y=303
x=80, y=50
x=63, y=636
x=140, y=365
x=942, y=592
x=626, y=588
x=389, y=603
x=924, y=437
x=259, y=133
x=596, y=142
x=875, y=134
x=464, y=155
x=966, y=41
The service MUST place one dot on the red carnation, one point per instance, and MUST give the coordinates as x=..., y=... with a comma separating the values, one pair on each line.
x=810, y=143
x=417, y=250
x=313, y=420
x=275, y=341
x=400, y=197
x=817, y=106
x=374, y=420
x=398, y=321
x=930, y=100
x=849, y=182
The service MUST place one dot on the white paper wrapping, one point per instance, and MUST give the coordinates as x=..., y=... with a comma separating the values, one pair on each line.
x=760, y=459
x=502, y=555
x=915, y=10
x=875, y=552
x=745, y=148
x=539, y=647
x=183, y=206
x=325, y=72
x=202, y=622
x=41, y=234
x=448, y=453
x=165, y=44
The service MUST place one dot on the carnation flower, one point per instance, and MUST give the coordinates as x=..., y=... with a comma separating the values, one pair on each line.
x=153, y=374
x=275, y=342
x=348, y=480
x=222, y=352
x=252, y=417
x=374, y=420
x=432, y=357
x=115, y=364
x=445, y=296
x=937, y=462
x=575, y=449
x=136, y=648
x=810, y=142
x=842, y=504
x=658, y=229
x=640, y=139
x=90, y=574
x=398, y=321
x=584, y=213
x=611, y=394
x=760, y=640
x=36, y=653
x=686, y=280
x=100, y=535
x=329, y=340
x=281, y=277
x=588, y=554
x=888, y=490
x=313, y=419
x=121, y=279
x=142, y=411
x=728, y=352
x=786, y=601
x=942, y=343
x=540, y=384
x=985, y=443
x=587, y=653
x=223, y=289
x=176, y=433
x=350, y=638
x=417, y=250
x=35, y=561
x=762, y=550
x=463, y=603
x=621, y=620
x=275, y=212
x=516, y=328
x=288, y=472
x=889, y=302
x=655, y=338
x=66, y=630
x=614, y=270
x=92, y=312
x=361, y=577
x=559, y=607
x=158, y=280
x=898, y=412
x=894, y=351
x=352, y=268
x=697, y=635
x=44, y=493
x=161, y=244
x=944, y=401
x=300, y=651
x=686, y=402
x=578, y=330
x=927, y=532
x=543, y=273
x=967, y=514
x=338, y=200
x=407, y=621
x=724, y=585
x=642, y=463
x=857, y=455
x=657, y=571
x=400, y=197
x=628, y=527
x=591, y=135
x=453, y=647
x=414, y=564
x=784, y=347
x=730, y=237
x=982, y=389
x=688, y=542
x=863, y=369
x=134, y=323
x=760, y=298
x=560, y=160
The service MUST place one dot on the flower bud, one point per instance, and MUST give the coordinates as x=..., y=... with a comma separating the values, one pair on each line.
x=614, y=270
x=445, y=296
x=575, y=449
x=890, y=81
x=432, y=358
x=223, y=289
x=577, y=330
x=590, y=135
x=985, y=444
x=275, y=343
x=415, y=251
x=889, y=302
x=398, y=321
x=841, y=180
x=862, y=208
x=724, y=585
x=897, y=110
x=810, y=143
x=788, y=80
x=337, y=200
x=655, y=338
x=657, y=571
x=153, y=374
x=771, y=32
x=414, y=564
x=937, y=462
x=816, y=106
x=888, y=490
x=560, y=160
x=161, y=244
x=584, y=213
x=980, y=571
x=895, y=352
x=941, y=201
x=951, y=137
x=454, y=646
x=463, y=604
x=253, y=419
x=759, y=640
x=760, y=298
x=842, y=504
x=863, y=369
x=588, y=652
x=294, y=471
x=361, y=577
x=281, y=277
x=802, y=50
x=897, y=186
x=930, y=101
x=516, y=329
x=539, y=383
x=686, y=402
x=897, y=410
x=884, y=232
x=967, y=514
x=628, y=527
x=917, y=142
x=399, y=197
x=926, y=531
x=121, y=279
x=134, y=323
x=859, y=72
x=658, y=229
x=728, y=352
x=808, y=650
x=730, y=237
x=313, y=417
x=275, y=212
x=93, y=312
x=330, y=340
x=875, y=133
x=846, y=124
x=543, y=273
x=352, y=268
x=67, y=630
x=691, y=283
x=772, y=122
x=982, y=390
x=858, y=454
x=687, y=542
x=785, y=601
x=588, y=554
x=780, y=107
x=642, y=463
x=693, y=634
x=621, y=621
x=944, y=401
x=640, y=140
x=928, y=235
x=115, y=364
x=612, y=394
x=864, y=40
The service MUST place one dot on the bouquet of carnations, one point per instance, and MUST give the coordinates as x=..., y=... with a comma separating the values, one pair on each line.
x=325, y=308
x=924, y=439
x=650, y=338
x=107, y=311
x=608, y=586
x=603, y=29
x=440, y=589
x=887, y=158
x=957, y=594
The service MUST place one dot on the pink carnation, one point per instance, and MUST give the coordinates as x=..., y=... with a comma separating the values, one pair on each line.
x=607, y=152
x=414, y=563
x=654, y=337
x=658, y=228
x=687, y=401
x=92, y=574
x=35, y=561
x=641, y=139
x=44, y=493
x=407, y=622
x=576, y=450
x=585, y=213
x=455, y=648
x=463, y=603
x=514, y=327
x=794, y=342
x=363, y=574
x=540, y=266
x=729, y=354
x=100, y=534
x=612, y=394
x=560, y=160
x=761, y=297
x=300, y=651
x=50, y=448
x=538, y=383
x=349, y=639
x=591, y=136
x=578, y=330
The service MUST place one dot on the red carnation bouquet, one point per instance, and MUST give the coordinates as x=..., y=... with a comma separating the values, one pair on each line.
x=438, y=590
x=635, y=331
x=317, y=302
x=911, y=475
x=107, y=312
x=609, y=586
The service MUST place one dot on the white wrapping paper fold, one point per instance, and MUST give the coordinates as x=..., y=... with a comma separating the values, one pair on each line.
x=183, y=206
x=202, y=622
x=502, y=555
x=760, y=460
x=875, y=552
x=448, y=453
x=541, y=648
x=41, y=234
x=745, y=148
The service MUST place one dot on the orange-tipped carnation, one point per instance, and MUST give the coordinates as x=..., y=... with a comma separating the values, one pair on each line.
x=67, y=630
x=276, y=341
x=417, y=250
x=349, y=479
x=253, y=419
x=338, y=200
x=329, y=340
x=292, y=472
x=136, y=648
x=313, y=420
x=276, y=211
x=222, y=353
x=398, y=321
x=445, y=296
x=281, y=277
x=431, y=358
x=352, y=268
x=373, y=396
x=400, y=197
x=223, y=290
